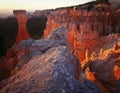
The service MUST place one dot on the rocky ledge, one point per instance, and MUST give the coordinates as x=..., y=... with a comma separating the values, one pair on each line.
x=50, y=71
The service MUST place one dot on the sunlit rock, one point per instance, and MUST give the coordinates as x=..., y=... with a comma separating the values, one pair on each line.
x=22, y=18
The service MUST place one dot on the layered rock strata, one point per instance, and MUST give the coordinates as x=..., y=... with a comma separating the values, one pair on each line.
x=84, y=28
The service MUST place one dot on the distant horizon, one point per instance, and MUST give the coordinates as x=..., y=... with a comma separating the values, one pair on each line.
x=6, y=9
x=7, y=13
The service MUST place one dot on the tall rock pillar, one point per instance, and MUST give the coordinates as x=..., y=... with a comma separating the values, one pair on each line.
x=22, y=29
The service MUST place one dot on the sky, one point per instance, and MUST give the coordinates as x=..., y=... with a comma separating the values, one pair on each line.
x=7, y=6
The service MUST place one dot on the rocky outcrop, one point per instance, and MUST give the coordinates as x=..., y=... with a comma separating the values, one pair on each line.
x=105, y=67
x=50, y=71
x=59, y=18
x=88, y=33
x=84, y=28
x=22, y=30
x=77, y=44
x=20, y=54
x=14, y=55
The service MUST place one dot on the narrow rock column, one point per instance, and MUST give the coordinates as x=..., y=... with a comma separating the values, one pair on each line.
x=22, y=29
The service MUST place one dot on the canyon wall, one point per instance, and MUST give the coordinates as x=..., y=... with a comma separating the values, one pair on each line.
x=92, y=37
x=86, y=29
x=50, y=69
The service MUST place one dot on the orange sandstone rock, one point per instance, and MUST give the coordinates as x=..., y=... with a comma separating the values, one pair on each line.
x=22, y=29
x=117, y=72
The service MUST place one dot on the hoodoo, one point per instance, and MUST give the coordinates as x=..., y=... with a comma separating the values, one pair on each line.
x=22, y=29
x=78, y=53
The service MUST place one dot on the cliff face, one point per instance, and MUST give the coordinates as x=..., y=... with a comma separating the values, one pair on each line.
x=84, y=28
x=90, y=33
x=78, y=46
x=103, y=64
x=45, y=63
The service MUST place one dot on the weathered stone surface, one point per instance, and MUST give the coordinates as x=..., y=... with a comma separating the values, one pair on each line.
x=106, y=68
x=51, y=72
x=20, y=54
x=84, y=34
x=85, y=28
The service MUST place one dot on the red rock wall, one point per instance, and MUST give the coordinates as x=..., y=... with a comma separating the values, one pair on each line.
x=60, y=18
x=85, y=29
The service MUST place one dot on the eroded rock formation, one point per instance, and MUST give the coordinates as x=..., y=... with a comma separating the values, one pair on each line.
x=90, y=32
x=84, y=28
x=13, y=55
x=22, y=29
x=105, y=67
x=79, y=46
x=49, y=69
